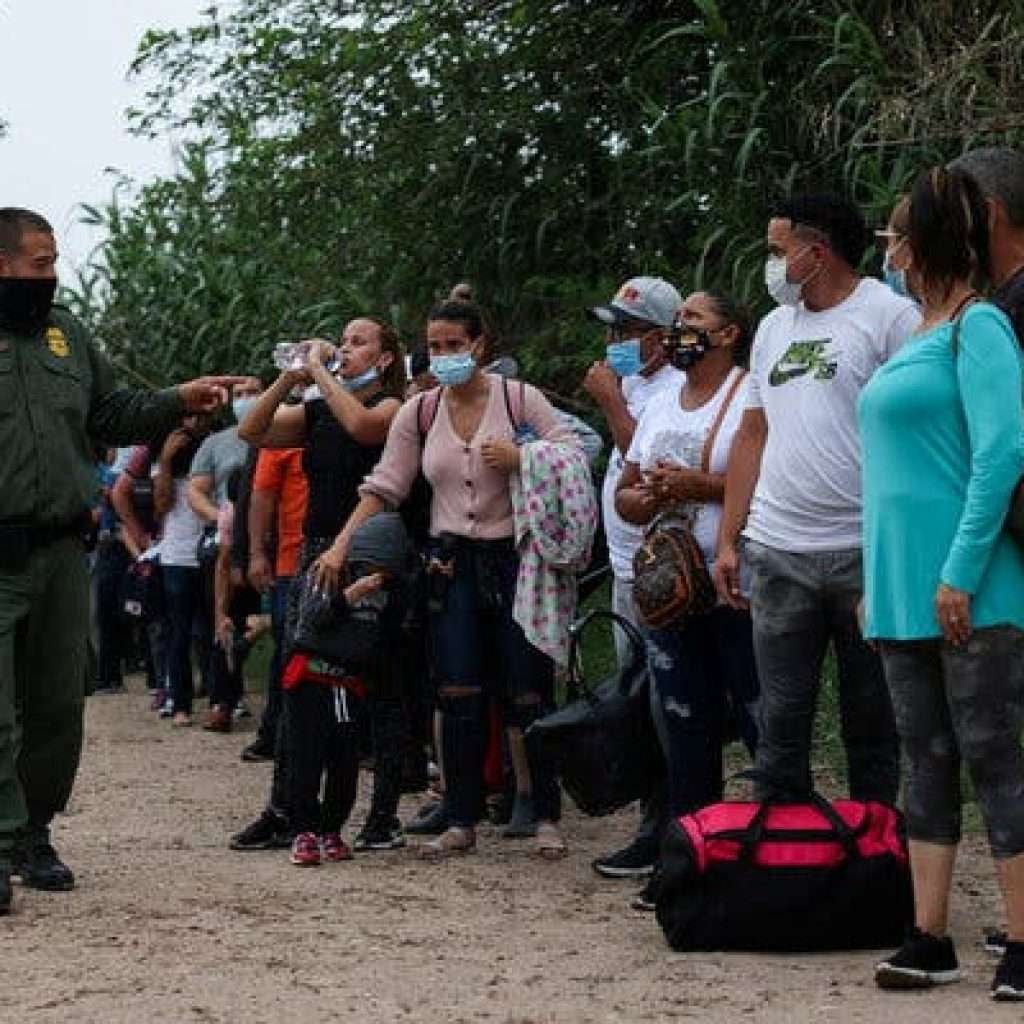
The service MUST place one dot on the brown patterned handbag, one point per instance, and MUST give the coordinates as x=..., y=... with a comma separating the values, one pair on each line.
x=670, y=575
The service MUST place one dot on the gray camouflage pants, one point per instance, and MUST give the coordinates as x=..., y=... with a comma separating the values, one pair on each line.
x=958, y=704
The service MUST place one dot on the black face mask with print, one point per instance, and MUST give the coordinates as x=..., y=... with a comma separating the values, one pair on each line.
x=25, y=303
x=684, y=354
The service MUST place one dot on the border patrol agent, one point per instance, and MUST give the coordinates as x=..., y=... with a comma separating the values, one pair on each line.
x=57, y=398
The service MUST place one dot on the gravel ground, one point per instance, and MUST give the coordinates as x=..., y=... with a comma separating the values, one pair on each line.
x=167, y=924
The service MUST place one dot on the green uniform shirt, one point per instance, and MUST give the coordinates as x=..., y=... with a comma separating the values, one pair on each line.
x=58, y=397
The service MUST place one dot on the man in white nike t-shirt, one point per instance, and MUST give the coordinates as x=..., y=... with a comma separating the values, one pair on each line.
x=793, y=489
x=635, y=371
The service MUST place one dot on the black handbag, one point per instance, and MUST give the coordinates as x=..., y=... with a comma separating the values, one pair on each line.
x=602, y=744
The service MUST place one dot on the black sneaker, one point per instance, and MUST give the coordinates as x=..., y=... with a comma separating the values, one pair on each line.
x=268, y=832
x=633, y=861
x=995, y=942
x=646, y=900
x=37, y=864
x=921, y=962
x=380, y=834
x=1008, y=984
x=258, y=751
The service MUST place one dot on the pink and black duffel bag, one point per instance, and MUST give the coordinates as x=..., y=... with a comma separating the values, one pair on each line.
x=800, y=876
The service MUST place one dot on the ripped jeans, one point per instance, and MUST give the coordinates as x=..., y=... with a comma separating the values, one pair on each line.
x=695, y=669
x=482, y=655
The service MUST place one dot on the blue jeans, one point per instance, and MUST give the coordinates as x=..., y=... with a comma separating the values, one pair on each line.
x=695, y=669
x=481, y=654
x=800, y=603
x=182, y=593
x=278, y=613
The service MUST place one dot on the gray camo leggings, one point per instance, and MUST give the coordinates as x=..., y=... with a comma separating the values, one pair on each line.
x=966, y=704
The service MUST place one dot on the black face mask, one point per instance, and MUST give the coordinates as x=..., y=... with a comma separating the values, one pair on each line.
x=683, y=356
x=25, y=302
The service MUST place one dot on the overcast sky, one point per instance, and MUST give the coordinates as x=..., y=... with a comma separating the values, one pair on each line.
x=63, y=97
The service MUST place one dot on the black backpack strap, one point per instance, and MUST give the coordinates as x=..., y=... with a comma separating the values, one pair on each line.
x=957, y=318
x=514, y=420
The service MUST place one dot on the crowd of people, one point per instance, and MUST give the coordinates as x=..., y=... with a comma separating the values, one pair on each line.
x=411, y=531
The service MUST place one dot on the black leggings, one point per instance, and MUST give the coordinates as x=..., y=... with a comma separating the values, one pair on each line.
x=961, y=703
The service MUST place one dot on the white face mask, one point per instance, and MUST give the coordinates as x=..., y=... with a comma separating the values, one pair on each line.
x=776, y=280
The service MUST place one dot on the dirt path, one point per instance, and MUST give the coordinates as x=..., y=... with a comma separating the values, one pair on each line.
x=168, y=925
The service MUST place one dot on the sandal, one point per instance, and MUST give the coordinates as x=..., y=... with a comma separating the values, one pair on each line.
x=454, y=841
x=550, y=844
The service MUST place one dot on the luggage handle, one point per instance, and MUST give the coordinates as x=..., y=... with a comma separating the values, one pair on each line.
x=575, y=684
x=753, y=834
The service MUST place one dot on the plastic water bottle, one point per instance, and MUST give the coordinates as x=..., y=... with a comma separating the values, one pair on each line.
x=291, y=355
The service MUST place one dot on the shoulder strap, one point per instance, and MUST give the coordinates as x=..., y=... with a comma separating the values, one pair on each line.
x=705, y=458
x=512, y=418
x=958, y=315
x=424, y=428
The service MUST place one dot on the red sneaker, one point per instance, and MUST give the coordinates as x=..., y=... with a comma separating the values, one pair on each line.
x=305, y=850
x=335, y=848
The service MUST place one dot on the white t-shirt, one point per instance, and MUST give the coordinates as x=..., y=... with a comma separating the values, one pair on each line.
x=669, y=433
x=807, y=370
x=624, y=538
x=181, y=530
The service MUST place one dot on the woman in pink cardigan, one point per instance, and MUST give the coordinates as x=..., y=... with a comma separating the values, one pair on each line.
x=465, y=439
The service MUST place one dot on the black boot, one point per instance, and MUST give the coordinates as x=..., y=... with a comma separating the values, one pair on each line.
x=6, y=896
x=36, y=861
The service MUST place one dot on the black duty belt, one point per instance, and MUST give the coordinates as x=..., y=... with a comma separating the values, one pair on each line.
x=19, y=539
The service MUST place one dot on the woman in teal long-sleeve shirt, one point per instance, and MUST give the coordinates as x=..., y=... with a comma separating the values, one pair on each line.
x=942, y=428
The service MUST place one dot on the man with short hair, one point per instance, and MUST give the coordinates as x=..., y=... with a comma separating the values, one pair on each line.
x=220, y=457
x=793, y=490
x=1000, y=173
x=635, y=371
x=58, y=398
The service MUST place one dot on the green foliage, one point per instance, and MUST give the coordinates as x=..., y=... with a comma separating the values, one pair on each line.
x=349, y=157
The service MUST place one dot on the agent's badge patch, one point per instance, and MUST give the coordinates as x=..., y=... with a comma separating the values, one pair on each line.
x=57, y=342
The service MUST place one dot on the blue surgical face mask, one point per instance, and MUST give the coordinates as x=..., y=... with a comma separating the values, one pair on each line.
x=363, y=380
x=241, y=406
x=894, y=278
x=453, y=370
x=624, y=357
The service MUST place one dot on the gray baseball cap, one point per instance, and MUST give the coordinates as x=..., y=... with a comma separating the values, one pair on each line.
x=642, y=298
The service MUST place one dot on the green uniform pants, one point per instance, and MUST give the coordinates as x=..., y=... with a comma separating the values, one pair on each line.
x=44, y=625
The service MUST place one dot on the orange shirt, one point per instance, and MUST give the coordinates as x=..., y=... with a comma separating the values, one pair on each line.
x=279, y=471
